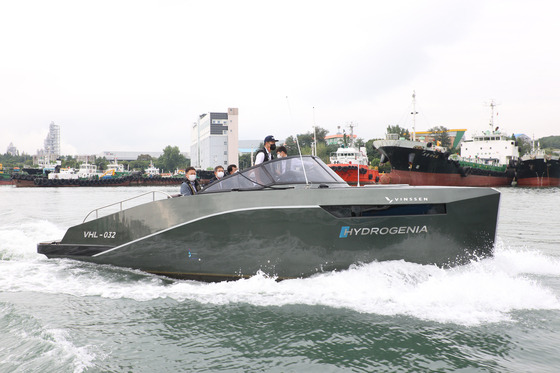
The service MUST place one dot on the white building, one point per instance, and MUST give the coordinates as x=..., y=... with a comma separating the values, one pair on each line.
x=214, y=140
x=51, y=149
x=52, y=142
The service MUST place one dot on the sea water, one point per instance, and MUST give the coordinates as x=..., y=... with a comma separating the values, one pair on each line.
x=500, y=314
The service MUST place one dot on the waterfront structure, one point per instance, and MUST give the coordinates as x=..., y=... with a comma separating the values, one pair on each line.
x=214, y=140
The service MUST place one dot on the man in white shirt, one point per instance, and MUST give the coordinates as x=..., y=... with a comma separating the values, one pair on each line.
x=264, y=154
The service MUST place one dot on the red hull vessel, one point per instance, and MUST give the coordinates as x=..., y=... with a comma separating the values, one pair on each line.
x=349, y=173
x=430, y=178
x=539, y=182
x=351, y=164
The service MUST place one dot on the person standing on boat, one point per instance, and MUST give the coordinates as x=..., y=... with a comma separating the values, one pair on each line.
x=191, y=186
x=265, y=154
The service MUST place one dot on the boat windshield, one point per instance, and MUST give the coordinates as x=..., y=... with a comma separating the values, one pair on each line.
x=278, y=173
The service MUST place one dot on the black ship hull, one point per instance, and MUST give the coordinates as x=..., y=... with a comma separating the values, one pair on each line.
x=538, y=172
x=419, y=166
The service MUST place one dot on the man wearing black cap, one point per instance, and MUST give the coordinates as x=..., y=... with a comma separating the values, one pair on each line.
x=265, y=154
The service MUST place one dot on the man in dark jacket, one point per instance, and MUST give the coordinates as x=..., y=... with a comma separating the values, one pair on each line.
x=218, y=174
x=191, y=186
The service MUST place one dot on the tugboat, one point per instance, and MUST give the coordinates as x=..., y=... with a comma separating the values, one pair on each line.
x=114, y=170
x=489, y=159
x=351, y=164
x=538, y=169
x=151, y=171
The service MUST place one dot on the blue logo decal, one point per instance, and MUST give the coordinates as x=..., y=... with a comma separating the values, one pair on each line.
x=344, y=232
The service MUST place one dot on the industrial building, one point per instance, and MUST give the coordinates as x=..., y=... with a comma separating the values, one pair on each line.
x=214, y=140
x=51, y=149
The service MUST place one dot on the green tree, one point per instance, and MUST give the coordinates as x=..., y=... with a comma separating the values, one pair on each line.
x=441, y=136
x=306, y=141
x=10, y=161
x=101, y=163
x=244, y=161
x=550, y=142
x=171, y=159
x=138, y=165
x=402, y=132
x=70, y=161
x=524, y=147
x=144, y=157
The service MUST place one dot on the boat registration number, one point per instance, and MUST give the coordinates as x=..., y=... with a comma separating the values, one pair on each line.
x=93, y=234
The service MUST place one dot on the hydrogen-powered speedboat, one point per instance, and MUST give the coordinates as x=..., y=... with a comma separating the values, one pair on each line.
x=290, y=217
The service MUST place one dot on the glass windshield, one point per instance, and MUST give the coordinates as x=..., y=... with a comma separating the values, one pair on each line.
x=278, y=172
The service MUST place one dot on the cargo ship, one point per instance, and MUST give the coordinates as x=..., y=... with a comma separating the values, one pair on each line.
x=538, y=169
x=488, y=159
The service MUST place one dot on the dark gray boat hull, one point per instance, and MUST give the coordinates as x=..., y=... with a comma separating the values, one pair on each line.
x=289, y=233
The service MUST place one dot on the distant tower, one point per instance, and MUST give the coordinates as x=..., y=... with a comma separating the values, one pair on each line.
x=52, y=142
x=12, y=150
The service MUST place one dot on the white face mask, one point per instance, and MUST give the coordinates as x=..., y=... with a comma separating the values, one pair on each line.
x=192, y=177
x=220, y=174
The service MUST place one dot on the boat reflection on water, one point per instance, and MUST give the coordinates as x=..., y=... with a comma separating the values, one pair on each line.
x=290, y=217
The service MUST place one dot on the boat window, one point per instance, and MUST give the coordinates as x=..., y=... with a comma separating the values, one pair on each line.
x=254, y=179
x=357, y=211
x=279, y=171
x=290, y=171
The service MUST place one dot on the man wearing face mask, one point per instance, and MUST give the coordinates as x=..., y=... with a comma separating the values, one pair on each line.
x=218, y=174
x=281, y=152
x=265, y=154
x=191, y=186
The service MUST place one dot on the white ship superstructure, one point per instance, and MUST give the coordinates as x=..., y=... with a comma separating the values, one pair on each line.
x=492, y=147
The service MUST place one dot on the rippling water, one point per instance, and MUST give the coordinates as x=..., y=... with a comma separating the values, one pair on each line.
x=500, y=314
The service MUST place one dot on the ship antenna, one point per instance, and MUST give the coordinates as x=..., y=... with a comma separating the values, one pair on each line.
x=492, y=105
x=297, y=143
x=414, y=112
x=314, y=148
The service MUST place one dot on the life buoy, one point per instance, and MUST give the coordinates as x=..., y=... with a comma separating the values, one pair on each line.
x=385, y=179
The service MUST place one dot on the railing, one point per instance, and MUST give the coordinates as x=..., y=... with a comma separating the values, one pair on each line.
x=125, y=200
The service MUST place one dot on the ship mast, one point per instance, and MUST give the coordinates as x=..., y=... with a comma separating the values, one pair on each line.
x=492, y=105
x=351, y=126
x=414, y=112
x=314, y=146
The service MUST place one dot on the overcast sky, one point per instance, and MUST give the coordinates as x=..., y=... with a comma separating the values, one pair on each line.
x=135, y=75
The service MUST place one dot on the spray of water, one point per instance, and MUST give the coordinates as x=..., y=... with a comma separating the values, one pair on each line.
x=485, y=291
